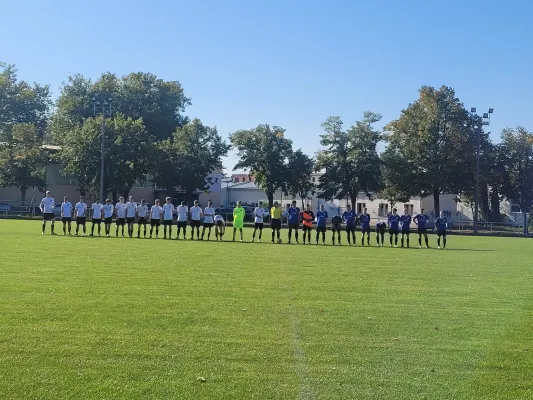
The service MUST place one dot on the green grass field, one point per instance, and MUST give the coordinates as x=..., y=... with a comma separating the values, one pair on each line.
x=107, y=318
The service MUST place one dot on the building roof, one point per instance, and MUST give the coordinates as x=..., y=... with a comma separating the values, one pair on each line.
x=242, y=185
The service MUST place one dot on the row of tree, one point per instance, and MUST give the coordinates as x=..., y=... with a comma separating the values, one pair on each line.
x=430, y=149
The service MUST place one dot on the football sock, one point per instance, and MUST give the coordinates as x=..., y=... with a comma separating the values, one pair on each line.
x=444, y=240
x=427, y=241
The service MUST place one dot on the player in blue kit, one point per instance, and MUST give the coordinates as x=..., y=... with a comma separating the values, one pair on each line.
x=421, y=220
x=364, y=220
x=321, y=219
x=441, y=224
x=394, y=227
x=349, y=218
x=405, y=219
x=381, y=227
x=294, y=221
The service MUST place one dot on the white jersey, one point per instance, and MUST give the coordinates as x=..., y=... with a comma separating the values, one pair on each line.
x=182, y=213
x=131, y=206
x=97, y=210
x=168, y=211
x=47, y=204
x=259, y=213
x=156, y=212
x=121, y=210
x=108, y=210
x=195, y=213
x=209, y=213
x=66, y=209
x=219, y=217
x=142, y=211
x=81, y=208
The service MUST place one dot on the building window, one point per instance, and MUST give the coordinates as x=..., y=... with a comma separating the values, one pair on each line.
x=515, y=208
x=410, y=209
x=360, y=207
x=383, y=209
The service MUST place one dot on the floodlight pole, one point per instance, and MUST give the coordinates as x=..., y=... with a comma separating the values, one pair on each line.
x=106, y=112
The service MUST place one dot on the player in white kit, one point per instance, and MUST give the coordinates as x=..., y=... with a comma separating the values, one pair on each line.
x=131, y=208
x=97, y=209
x=142, y=217
x=209, y=215
x=47, y=209
x=120, y=211
x=220, y=226
x=155, y=218
x=66, y=215
x=196, y=216
x=109, y=210
x=168, y=216
x=259, y=214
x=80, y=210
x=183, y=212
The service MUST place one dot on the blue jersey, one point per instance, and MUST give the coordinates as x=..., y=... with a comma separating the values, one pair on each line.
x=394, y=222
x=365, y=221
x=421, y=220
x=381, y=226
x=321, y=218
x=406, y=222
x=349, y=217
x=441, y=223
x=294, y=215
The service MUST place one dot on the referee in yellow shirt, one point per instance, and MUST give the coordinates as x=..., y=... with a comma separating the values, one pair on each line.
x=275, y=220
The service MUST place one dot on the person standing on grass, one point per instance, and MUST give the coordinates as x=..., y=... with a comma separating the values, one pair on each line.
x=307, y=219
x=349, y=217
x=183, y=212
x=131, y=209
x=196, y=217
x=394, y=227
x=66, y=215
x=364, y=220
x=142, y=218
x=421, y=221
x=259, y=214
x=209, y=214
x=109, y=210
x=321, y=220
x=155, y=218
x=47, y=209
x=381, y=227
x=294, y=221
x=80, y=210
x=336, y=222
x=275, y=220
x=441, y=224
x=238, y=219
x=405, y=219
x=220, y=226
x=168, y=216
x=97, y=209
x=120, y=210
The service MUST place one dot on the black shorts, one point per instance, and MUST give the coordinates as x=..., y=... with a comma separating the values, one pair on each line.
x=130, y=220
x=195, y=223
x=208, y=224
x=406, y=231
x=441, y=233
x=167, y=222
x=81, y=220
x=422, y=231
x=365, y=230
x=155, y=222
x=321, y=229
x=66, y=219
x=220, y=224
x=121, y=221
x=142, y=221
x=336, y=228
x=306, y=228
x=275, y=224
x=97, y=221
x=380, y=231
x=294, y=226
x=393, y=231
x=350, y=229
x=108, y=220
x=182, y=224
x=48, y=216
x=258, y=225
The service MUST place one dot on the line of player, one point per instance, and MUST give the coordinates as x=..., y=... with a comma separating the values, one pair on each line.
x=127, y=213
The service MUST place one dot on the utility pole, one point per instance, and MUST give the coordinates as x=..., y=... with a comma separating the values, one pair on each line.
x=106, y=112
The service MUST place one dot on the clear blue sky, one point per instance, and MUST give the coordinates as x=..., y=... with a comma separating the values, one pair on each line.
x=287, y=63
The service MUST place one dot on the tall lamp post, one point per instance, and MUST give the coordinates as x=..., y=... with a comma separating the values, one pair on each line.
x=105, y=112
x=485, y=121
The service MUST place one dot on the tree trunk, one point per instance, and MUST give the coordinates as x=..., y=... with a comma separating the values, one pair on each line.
x=114, y=195
x=495, y=206
x=126, y=193
x=189, y=197
x=525, y=223
x=23, y=190
x=436, y=202
x=303, y=203
x=484, y=202
x=270, y=197
x=353, y=200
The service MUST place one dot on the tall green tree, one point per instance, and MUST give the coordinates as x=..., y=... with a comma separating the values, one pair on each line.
x=21, y=103
x=22, y=160
x=396, y=177
x=140, y=95
x=435, y=138
x=264, y=152
x=186, y=160
x=517, y=153
x=301, y=166
x=129, y=154
x=350, y=160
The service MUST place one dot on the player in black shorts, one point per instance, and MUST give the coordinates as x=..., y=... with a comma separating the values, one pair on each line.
x=381, y=228
x=336, y=222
